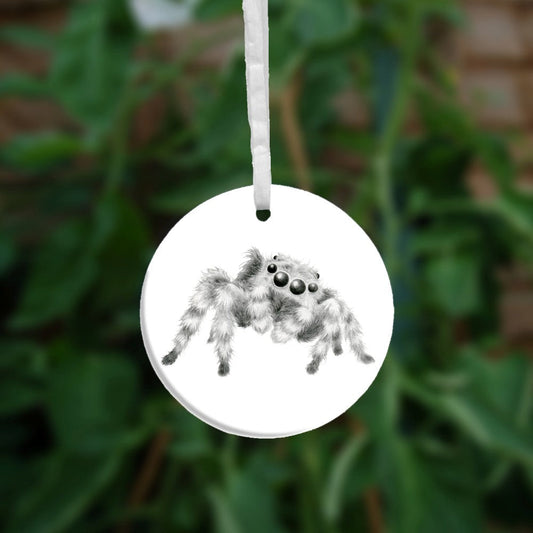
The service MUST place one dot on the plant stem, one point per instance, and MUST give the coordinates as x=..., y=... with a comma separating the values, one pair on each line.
x=293, y=132
x=148, y=473
x=388, y=139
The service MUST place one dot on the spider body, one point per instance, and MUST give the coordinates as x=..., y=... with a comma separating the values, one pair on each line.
x=280, y=295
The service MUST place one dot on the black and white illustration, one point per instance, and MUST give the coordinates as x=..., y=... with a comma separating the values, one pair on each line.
x=279, y=295
x=266, y=329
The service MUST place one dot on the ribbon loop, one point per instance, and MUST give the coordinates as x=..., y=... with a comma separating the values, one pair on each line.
x=256, y=56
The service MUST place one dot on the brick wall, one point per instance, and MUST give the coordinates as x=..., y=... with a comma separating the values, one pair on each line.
x=495, y=65
x=16, y=115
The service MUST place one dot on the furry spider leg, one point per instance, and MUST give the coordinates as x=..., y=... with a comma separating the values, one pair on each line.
x=221, y=335
x=292, y=321
x=331, y=315
x=319, y=352
x=336, y=341
x=287, y=329
x=335, y=313
x=260, y=309
x=257, y=310
x=215, y=290
x=353, y=334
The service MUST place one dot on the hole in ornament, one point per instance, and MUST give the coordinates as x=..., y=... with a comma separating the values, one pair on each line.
x=263, y=214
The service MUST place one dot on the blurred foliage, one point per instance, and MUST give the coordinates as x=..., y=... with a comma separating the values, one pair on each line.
x=441, y=442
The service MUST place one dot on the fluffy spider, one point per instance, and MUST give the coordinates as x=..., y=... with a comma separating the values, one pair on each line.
x=281, y=295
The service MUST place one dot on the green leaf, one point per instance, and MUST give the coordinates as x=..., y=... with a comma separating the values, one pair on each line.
x=28, y=36
x=516, y=210
x=286, y=54
x=92, y=66
x=22, y=376
x=449, y=238
x=23, y=86
x=443, y=117
x=191, y=440
x=454, y=283
x=22, y=355
x=19, y=396
x=488, y=428
x=225, y=520
x=40, y=151
x=90, y=401
x=247, y=502
x=377, y=408
x=496, y=158
x=209, y=10
x=501, y=383
x=193, y=193
x=122, y=248
x=60, y=275
x=64, y=490
x=485, y=425
x=445, y=10
x=426, y=494
x=225, y=113
x=323, y=80
x=8, y=253
x=340, y=471
x=316, y=22
x=253, y=501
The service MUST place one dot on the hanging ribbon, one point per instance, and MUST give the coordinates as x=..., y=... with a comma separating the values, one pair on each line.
x=256, y=56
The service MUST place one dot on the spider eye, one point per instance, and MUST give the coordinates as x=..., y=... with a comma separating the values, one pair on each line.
x=272, y=268
x=297, y=286
x=275, y=257
x=281, y=279
x=317, y=275
x=313, y=287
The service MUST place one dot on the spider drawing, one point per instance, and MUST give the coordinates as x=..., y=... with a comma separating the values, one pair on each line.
x=281, y=295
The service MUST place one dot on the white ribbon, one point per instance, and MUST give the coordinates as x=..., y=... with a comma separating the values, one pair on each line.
x=256, y=55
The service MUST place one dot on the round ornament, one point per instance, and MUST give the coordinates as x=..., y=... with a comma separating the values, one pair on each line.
x=267, y=329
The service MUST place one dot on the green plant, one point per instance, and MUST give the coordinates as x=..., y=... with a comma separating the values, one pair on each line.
x=441, y=442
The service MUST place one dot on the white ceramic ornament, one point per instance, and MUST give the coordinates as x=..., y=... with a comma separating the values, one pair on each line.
x=266, y=328
x=242, y=331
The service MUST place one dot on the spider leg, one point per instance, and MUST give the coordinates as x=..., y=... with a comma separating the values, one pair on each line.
x=229, y=296
x=353, y=334
x=318, y=353
x=260, y=309
x=287, y=320
x=221, y=335
x=336, y=340
x=332, y=321
x=280, y=334
x=189, y=325
x=338, y=319
x=204, y=297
